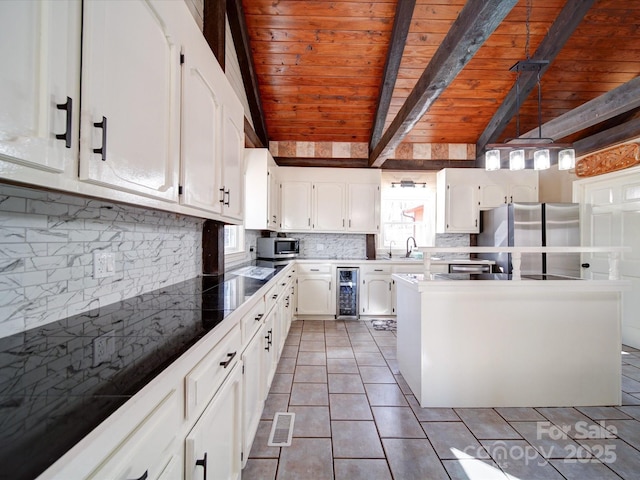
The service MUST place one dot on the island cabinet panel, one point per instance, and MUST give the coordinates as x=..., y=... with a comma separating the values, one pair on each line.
x=501, y=327
x=39, y=90
x=130, y=118
x=213, y=447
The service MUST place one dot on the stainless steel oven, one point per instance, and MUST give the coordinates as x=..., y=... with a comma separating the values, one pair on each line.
x=273, y=248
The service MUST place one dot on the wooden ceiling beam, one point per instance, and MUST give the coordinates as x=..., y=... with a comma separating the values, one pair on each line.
x=214, y=26
x=560, y=31
x=240, y=36
x=401, y=24
x=426, y=164
x=608, y=138
x=321, y=162
x=475, y=23
x=620, y=100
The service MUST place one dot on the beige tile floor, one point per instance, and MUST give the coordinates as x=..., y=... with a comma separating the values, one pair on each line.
x=356, y=419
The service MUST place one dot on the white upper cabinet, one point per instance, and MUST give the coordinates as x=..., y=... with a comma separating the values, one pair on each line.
x=39, y=89
x=130, y=118
x=364, y=208
x=262, y=190
x=504, y=186
x=232, y=187
x=463, y=192
x=201, y=121
x=295, y=208
x=329, y=207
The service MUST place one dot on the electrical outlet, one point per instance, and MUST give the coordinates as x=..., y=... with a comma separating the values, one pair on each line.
x=104, y=347
x=104, y=264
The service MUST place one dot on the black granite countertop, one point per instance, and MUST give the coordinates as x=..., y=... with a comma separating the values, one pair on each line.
x=53, y=392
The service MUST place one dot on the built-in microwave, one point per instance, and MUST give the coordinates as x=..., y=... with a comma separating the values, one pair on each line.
x=278, y=247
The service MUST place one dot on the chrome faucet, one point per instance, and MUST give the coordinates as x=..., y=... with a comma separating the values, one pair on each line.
x=391, y=243
x=414, y=244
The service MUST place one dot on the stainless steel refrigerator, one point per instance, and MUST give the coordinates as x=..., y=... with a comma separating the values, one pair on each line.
x=533, y=224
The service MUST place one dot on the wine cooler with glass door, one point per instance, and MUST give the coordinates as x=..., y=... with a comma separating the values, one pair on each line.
x=347, y=293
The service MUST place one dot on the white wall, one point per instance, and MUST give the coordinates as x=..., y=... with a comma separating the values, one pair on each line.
x=47, y=241
x=555, y=185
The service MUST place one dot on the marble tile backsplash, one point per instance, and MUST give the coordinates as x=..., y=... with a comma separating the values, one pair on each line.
x=332, y=245
x=452, y=240
x=47, y=242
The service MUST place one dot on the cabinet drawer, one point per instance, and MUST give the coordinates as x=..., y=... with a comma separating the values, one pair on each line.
x=147, y=450
x=271, y=297
x=376, y=270
x=206, y=377
x=311, y=268
x=251, y=322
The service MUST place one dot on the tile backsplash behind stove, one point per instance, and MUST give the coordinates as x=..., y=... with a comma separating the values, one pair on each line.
x=47, y=241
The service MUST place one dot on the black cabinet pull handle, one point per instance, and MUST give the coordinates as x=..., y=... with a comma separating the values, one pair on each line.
x=226, y=193
x=203, y=463
x=585, y=265
x=144, y=476
x=274, y=296
x=102, y=150
x=222, y=199
x=269, y=339
x=230, y=357
x=258, y=317
x=66, y=136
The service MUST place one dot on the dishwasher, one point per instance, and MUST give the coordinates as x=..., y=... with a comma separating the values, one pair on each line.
x=347, y=300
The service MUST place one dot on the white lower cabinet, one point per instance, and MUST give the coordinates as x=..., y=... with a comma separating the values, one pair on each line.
x=254, y=390
x=213, y=447
x=376, y=296
x=150, y=449
x=315, y=292
x=270, y=339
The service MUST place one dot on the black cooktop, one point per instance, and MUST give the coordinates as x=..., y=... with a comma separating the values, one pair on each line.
x=55, y=388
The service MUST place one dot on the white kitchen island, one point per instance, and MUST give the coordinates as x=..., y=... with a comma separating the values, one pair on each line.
x=509, y=343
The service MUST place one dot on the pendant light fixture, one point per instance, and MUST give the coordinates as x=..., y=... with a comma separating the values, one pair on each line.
x=520, y=149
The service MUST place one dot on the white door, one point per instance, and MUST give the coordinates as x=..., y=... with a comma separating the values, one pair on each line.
x=611, y=217
x=363, y=208
x=39, y=89
x=201, y=124
x=269, y=334
x=315, y=295
x=295, y=206
x=492, y=196
x=232, y=157
x=376, y=295
x=253, y=392
x=523, y=193
x=214, y=443
x=130, y=118
x=328, y=207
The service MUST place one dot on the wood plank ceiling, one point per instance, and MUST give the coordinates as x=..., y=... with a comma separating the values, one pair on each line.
x=320, y=67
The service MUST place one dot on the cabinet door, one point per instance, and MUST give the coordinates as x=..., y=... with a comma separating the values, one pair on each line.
x=253, y=393
x=273, y=201
x=40, y=58
x=328, y=207
x=232, y=157
x=364, y=208
x=295, y=208
x=462, y=208
x=130, y=77
x=376, y=295
x=201, y=124
x=492, y=196
x=269, y=342
x=315, y=295
x=523, y=193
x=214, y=444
